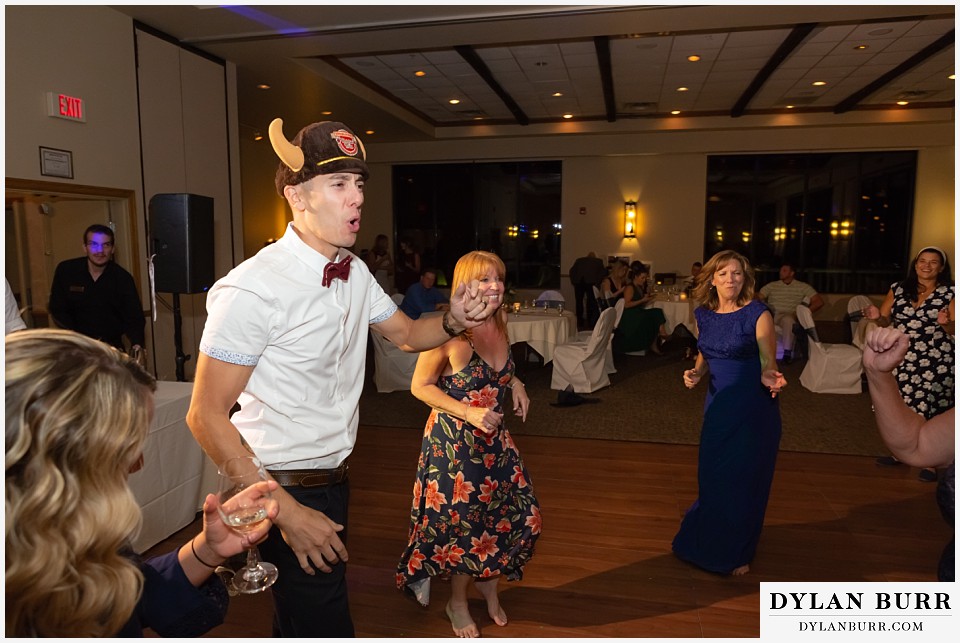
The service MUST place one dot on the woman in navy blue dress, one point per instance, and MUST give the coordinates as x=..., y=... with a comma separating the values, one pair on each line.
x=741, y=423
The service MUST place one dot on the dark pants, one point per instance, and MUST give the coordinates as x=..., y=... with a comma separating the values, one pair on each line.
x=581, y=292
x=304, y=605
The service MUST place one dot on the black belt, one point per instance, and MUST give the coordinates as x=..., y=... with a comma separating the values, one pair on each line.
x=310, y=477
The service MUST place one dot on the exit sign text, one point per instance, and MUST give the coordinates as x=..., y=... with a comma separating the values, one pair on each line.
x=64, y=106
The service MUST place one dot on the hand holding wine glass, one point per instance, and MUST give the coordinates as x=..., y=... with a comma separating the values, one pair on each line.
x=245, y=504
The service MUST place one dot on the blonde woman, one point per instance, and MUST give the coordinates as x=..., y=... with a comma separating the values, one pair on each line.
x=741, y=419
x=475, y=516
x=78, y=412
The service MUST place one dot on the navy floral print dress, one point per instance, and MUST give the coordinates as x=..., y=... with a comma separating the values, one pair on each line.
x=474, y=509
x=925, y=377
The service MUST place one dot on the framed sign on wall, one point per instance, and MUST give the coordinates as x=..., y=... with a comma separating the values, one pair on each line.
x=54, y=162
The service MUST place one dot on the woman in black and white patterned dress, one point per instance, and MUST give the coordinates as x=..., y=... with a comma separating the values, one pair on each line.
x=925, y=377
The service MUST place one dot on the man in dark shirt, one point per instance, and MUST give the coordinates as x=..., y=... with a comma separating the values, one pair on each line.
x=585, y=273
x=422, y=297
x=94, y=296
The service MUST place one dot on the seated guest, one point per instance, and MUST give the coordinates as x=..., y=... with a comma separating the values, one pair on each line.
x=613, y=285
x=78, y=412
x=690, y=282
x=783, y=297
x=640, y=328
x=912, y=438
x=422, y=297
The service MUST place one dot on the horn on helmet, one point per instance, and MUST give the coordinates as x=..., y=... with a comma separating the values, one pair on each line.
x=290, y=154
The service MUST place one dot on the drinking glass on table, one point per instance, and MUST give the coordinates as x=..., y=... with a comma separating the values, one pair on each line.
x=242, y=510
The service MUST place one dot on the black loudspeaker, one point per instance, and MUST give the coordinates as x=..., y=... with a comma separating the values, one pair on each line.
x=181, y=230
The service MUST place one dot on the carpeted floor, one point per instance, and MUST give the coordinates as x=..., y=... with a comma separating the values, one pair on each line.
x=647, y=402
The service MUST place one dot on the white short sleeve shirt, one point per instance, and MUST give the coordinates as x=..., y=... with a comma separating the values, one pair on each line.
x=307, y=344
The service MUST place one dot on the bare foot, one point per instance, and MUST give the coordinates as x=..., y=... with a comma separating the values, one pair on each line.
x=463, y=625
x=489, y=591
x=740, y=571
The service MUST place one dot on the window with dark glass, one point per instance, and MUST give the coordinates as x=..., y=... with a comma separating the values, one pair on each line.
x=511, y=209
x=842, y=219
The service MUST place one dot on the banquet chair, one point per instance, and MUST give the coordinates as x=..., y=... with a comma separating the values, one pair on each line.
x=598, y=296
x=397, y=298
x=583, y=366
x=392, y=367
x=854, y=306
x=830, y=368
x=583, y=338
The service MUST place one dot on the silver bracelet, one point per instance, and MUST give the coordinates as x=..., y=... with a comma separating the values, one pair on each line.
x=515, y=383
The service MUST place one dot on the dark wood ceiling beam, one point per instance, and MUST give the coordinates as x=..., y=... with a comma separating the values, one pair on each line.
x=602, y=45
x=850, y=101
x=796, y=36
x=473, y=58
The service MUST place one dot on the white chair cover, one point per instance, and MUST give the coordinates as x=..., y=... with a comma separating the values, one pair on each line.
x=830, y=368
x=397, y=298
x=854, y=306
x=584, y=365
x=583, y=337
x=393, y=368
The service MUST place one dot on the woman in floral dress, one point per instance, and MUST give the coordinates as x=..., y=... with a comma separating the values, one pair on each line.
x=475, y=515
x=925, y=376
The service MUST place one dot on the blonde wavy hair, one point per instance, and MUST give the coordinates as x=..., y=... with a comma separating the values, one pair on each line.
x=77, y=416
x=475, y=265
x=706, y=295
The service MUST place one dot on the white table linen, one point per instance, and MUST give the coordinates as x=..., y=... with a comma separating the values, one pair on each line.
x=677, y=312
x=542, y=332
x=176, y=474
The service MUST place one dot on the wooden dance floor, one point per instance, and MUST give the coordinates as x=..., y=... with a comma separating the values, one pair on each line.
x=603, y=566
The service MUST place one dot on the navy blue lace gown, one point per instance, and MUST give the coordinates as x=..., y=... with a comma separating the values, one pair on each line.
x=738, y=446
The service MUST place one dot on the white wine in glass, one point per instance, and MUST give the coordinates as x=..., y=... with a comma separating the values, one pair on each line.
x=243, y=511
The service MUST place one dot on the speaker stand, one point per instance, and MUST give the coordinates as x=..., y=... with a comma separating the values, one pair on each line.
x=178, y=338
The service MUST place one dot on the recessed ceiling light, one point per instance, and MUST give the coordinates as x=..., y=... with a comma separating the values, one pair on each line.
x=789, y=106
x=683, y=89
x=557, y=94
x=675, y=112
x=568, y=115
x=693, y=58
x=326, y=113
x=263, y=86
x=903, y=102
x=369, y=132
x=258, y=136
x=952, y=76
x=454, y=101
x=419, y=74
x=819, y=83
x=861, y=46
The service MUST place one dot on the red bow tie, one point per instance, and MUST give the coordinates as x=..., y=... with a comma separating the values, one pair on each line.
x=334, y=270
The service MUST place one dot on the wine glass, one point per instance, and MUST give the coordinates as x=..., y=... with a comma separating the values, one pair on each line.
x=242, y=511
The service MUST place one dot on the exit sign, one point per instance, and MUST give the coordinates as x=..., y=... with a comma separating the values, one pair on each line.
x=68, y=107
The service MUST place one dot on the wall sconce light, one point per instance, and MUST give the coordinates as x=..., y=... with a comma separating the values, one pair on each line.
x=629, y=219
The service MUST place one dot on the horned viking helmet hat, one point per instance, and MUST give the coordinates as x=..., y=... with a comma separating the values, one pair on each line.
x=319, y=148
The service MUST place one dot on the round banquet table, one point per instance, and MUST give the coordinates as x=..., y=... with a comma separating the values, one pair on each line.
x=677, y=312
x=542, y=332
